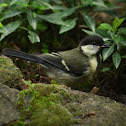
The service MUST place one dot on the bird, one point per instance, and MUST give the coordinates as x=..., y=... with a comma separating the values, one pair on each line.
x=70, y=67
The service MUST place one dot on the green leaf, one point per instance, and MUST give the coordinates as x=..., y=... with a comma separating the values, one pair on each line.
x=44, y=45
x=116, y=59
x=3, y=5
x=56, y=18
x=46, y=4
x=13, y=2
x=117, y=23
x=58, y=7
x=9, y=28
x=1, y=30
x=90, y=32
x=52, y=19
x=31, y=20
x=33, y=37
x=124, y=57
x=123, y=37
x=9, y=14
x=105, y=69
x=100, y=4
x=62, y=14
x=67, y=12
x=105, y=26
x=37, y=5
x=107, y=52
x=116, y=38
x=58, y=1
x=44, y=50
x=111, y=33
x=23, y=4
x=103, y=33
x=69, y=24
x=122, y=30
x=1, y=25
x=90, y=22
x=120, y=22
x=90, y=2
x=123, y=43
x=49, y=6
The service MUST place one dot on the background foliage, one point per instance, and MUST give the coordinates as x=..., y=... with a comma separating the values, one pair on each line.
x=54, y=25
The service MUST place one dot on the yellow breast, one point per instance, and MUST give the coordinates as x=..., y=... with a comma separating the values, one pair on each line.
x=93, y=63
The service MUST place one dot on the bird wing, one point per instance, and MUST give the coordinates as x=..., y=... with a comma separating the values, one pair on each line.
x=53, y=59
x=71, y=61
x=76, y=62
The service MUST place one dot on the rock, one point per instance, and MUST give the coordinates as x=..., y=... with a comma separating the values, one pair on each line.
x=54, y=105
x=10, y=75
x=8, y=105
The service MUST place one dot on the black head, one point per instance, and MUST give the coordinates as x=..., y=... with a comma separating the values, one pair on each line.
x=92, y=45
x=92, y=40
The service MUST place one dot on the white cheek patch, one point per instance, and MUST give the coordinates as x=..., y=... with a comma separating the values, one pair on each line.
x=90, y=50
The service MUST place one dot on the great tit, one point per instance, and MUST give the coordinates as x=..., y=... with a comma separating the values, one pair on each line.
x=69, y=67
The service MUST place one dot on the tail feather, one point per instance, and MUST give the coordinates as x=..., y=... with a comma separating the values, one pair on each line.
x=22, y=55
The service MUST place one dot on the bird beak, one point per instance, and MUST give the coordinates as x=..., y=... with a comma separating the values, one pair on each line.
x=105, y=46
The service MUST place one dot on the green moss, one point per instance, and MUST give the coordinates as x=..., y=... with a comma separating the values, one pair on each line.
x=10, y=75
x=42, y=104
x=20, y=123
x=55, y=115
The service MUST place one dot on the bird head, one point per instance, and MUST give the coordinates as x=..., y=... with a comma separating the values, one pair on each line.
x=92, y=45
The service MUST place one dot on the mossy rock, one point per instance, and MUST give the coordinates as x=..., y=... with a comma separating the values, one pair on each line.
x=54, y=105
x=43, y=105
x=10, y=75
x=57, y=105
